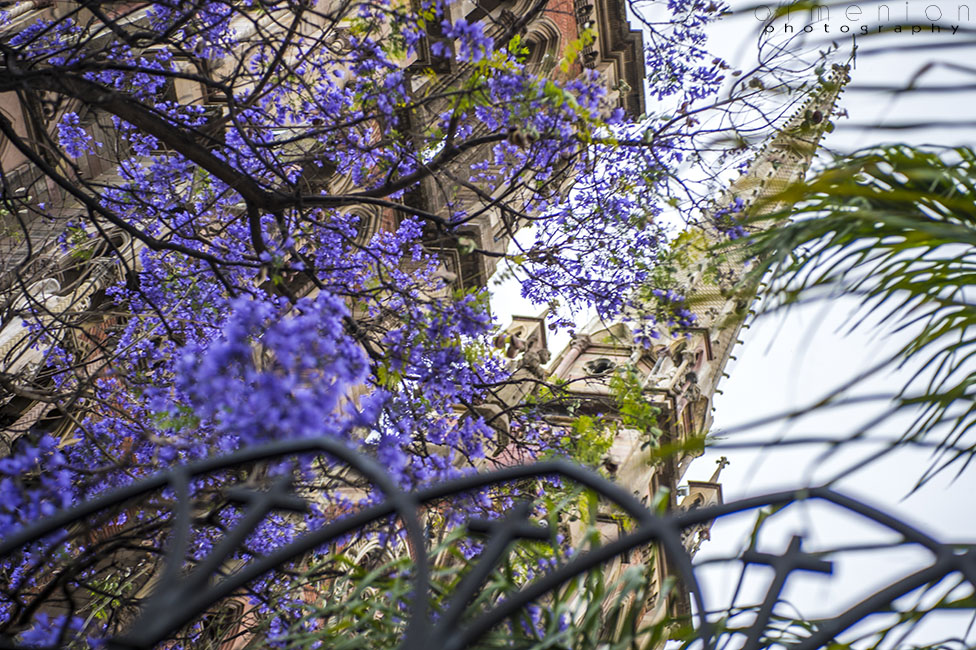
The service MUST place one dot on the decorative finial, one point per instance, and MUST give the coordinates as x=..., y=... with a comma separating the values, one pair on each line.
x=721, y=462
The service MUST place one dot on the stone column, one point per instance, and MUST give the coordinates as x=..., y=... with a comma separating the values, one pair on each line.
x=580, y=343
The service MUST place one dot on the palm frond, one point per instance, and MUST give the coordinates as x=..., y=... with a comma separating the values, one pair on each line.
x=896, y=227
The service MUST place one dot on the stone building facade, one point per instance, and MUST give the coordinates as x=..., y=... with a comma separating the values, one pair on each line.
x=681, y=371
x=71, y=286
x=679, y=374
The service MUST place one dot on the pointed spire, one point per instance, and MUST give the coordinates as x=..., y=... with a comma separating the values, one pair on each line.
x=780, y=163
x=785, y=158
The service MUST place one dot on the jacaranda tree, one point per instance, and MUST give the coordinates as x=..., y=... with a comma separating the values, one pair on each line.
x=252, y=221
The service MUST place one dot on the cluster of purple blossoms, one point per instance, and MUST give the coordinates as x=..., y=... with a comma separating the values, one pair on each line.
x=257, y=303
x=656, y=310
x=673, y=306
x=73, y=138
x=730, y=220
x=473, y=44
x=35, y=482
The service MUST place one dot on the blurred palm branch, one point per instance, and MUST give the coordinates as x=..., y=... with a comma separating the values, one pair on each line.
x=895, y=227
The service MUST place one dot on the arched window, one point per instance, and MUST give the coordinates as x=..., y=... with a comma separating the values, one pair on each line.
x=543, y=43
x=600, y=366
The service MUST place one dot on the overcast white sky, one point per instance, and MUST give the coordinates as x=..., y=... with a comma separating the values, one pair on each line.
x=790, y=360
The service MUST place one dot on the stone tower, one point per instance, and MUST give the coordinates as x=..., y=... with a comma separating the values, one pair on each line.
x=680, y=371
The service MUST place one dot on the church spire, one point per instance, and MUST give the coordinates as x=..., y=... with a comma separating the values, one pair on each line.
x=680, y=371
x=785, y=158
x=720, y=464
x=707, y=280
x=711, y=283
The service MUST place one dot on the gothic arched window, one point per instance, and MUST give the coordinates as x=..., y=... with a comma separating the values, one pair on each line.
x=600, y=366
x=543, y=43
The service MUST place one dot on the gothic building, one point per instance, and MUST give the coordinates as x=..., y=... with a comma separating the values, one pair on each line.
x=680, y=372
x=70, y=287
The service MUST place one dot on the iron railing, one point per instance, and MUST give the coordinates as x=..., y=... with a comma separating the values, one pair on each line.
x=180, y=597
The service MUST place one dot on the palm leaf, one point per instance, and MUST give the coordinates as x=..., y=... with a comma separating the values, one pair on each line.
x=896, y=227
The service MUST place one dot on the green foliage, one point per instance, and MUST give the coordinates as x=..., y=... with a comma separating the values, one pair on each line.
x=518, y=48
x=183, y=419
x=79, y=242
x=588, y=440
x=590, y=436
x=633, y=407
x=896, y=227
x=575, y=47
